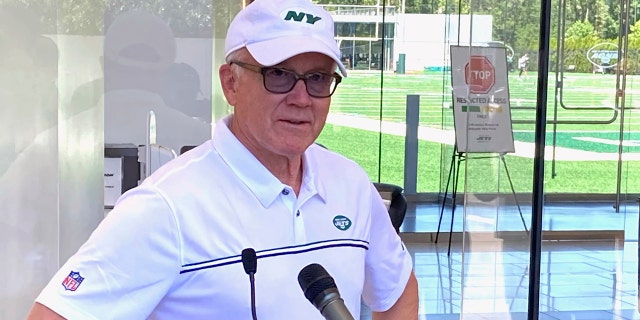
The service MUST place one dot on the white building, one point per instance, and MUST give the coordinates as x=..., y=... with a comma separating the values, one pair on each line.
x=422, y=39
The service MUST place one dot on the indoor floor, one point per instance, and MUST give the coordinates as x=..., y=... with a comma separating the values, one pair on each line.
x=589, y=261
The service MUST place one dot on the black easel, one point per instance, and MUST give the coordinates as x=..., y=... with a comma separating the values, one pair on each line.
x=454, y=170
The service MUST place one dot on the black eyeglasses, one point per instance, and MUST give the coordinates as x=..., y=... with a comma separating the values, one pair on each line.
x=278, y=80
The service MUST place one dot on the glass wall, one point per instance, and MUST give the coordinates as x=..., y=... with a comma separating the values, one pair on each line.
x=569, y=101
x=30, y=179
x=79, y=79
x=581, y=106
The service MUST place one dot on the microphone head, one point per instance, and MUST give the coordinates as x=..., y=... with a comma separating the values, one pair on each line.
x=249, y=260
x=314, y=281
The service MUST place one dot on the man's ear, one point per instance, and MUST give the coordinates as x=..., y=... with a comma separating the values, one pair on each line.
x=228, y=83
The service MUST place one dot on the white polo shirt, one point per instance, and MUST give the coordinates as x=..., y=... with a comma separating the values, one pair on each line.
x=171, y=248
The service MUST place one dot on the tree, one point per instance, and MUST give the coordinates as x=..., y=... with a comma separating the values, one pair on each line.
x=580, y=30
x=516, y=22
x=194, y=18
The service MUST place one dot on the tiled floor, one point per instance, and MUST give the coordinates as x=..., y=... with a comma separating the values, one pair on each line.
x=590, y=276
x=490, y=216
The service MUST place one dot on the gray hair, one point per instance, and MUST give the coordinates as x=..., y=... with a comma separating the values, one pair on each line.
x=237, y=55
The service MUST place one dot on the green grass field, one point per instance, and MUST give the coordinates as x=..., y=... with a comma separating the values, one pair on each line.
x=581, y=115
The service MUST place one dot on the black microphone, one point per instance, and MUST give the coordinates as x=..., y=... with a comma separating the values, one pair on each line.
x=249, y=262
x=321, y=290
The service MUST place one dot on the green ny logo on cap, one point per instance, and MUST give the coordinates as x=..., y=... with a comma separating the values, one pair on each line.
x=298, y=16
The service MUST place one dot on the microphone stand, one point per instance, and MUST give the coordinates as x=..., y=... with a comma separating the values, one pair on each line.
x=249, y=262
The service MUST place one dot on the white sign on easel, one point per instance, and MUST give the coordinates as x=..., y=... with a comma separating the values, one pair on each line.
x=481, y=110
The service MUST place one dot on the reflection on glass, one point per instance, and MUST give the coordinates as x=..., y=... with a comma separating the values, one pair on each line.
x=28, y=156
x=141, y=75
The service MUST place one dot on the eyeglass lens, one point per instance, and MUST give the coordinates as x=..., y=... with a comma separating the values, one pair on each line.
x=318, y=84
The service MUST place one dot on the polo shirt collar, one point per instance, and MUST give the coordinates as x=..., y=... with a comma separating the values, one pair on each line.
x=264, y=185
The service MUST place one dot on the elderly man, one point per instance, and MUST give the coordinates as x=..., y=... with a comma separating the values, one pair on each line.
x=171, y=248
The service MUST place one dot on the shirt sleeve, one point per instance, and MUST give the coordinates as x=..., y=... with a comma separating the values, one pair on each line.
x=125, y=268
x=388, y=264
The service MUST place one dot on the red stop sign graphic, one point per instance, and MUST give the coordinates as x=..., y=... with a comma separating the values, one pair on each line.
x=479, y=74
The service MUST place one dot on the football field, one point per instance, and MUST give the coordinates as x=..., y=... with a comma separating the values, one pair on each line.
x=581, y=108
x=583, y=131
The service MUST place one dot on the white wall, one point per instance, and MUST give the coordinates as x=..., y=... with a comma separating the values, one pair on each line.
x=50, y=163
x=52, y=146
x=425, y=38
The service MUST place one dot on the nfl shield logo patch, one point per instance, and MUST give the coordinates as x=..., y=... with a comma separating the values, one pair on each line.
x=72, y=281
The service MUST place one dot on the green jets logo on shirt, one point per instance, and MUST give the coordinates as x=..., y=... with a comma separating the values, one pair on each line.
x=341, y=222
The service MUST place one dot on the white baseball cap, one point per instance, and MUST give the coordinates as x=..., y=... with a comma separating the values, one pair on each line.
x=140, y=39
x=276, y=30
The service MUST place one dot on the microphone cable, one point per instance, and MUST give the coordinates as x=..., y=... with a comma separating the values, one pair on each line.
x=250, y=262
